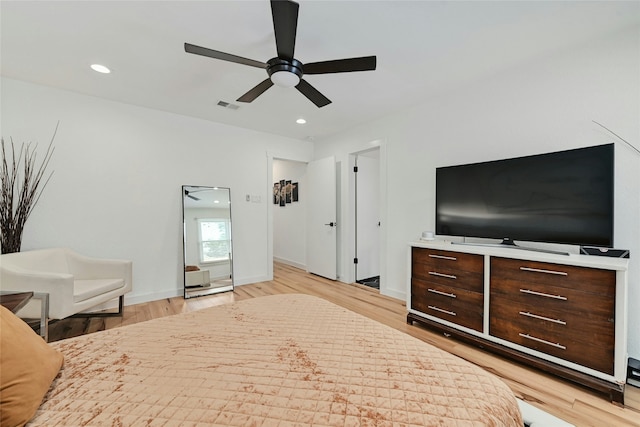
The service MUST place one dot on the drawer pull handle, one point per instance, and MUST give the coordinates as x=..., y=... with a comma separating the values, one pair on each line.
x=553, y=344
x=542, y=294
x=539, y=270
x=448, y=276
x=446, y=294
x=452, y=313
x=548, y=319
x=451, y=258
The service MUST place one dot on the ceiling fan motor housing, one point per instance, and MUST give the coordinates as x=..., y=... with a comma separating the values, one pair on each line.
x=278, y=65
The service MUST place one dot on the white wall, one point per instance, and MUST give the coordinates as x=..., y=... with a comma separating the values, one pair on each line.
x=118, y=171
x=289, y=221
x=547, y=106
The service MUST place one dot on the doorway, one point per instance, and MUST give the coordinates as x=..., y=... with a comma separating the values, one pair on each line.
x=367, y=221
x=289, y=210
x=303, y=231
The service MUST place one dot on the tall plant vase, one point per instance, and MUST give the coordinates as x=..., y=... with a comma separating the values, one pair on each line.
x=22, y=182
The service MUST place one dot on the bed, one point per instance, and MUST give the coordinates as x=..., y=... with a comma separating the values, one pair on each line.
x=282, y=360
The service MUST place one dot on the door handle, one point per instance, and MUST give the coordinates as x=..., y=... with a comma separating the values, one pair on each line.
x=332, y=224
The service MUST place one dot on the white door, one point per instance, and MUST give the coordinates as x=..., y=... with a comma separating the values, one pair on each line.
x=368, y=217
x=321, y=218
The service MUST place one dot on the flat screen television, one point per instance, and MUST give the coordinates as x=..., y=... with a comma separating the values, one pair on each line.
x=562, y=197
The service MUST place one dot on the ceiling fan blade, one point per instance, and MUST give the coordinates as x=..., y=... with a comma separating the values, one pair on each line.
x=285, y=24
x=365, y=63
x=256, y=91
x=312, y=93
x=186, y=193
x=198, y=50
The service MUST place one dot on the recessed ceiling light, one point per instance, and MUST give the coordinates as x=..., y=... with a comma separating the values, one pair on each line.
x=301, y=121
x=100, y=68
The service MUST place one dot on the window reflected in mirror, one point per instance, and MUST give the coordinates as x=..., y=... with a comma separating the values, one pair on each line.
x=208, y=253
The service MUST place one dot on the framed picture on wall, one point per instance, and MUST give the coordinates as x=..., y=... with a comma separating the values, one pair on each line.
x=287, y=187
x=294, y=191
x=276, y=193
x=282, y=193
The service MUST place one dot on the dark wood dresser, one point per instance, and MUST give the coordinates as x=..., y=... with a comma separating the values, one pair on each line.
x=565, y=314
x=449, y=285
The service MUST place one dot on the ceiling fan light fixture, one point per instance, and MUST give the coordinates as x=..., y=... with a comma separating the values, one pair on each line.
x=285, y=79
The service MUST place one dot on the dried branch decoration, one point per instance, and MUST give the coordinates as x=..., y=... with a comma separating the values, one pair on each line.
x=20, y=193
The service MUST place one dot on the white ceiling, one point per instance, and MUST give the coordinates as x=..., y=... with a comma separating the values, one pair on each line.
x=423, y=47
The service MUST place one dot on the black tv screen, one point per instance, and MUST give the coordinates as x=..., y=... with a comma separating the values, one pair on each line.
x=562, y=197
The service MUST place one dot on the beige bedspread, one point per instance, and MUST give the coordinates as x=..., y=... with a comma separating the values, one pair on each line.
x=285, y=360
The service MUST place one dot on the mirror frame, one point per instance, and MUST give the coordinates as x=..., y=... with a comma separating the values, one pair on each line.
x=210, y=290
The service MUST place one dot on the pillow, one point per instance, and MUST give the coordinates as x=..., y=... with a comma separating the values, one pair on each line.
x=28, y=365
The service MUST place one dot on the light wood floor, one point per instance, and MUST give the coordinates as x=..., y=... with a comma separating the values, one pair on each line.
x=558, y=397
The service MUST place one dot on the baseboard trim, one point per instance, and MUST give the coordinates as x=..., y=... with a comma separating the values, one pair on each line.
x=155, y=296
x=290, y=262
x=136, y=299
x=393, y=294
x=239, y=281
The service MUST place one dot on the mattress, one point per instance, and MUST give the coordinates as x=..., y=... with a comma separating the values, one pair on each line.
x=282, y=360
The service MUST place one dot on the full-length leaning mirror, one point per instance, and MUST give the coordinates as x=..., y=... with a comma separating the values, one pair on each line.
x=208, y=254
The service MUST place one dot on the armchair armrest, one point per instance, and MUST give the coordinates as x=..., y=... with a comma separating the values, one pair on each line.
x=86, y=268
x=59, y=286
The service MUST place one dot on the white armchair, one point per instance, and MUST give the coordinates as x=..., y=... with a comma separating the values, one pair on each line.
x=74, y=282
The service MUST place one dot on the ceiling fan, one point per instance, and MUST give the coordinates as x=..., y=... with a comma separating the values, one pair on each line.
x=284, y=70
x=187, y=193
